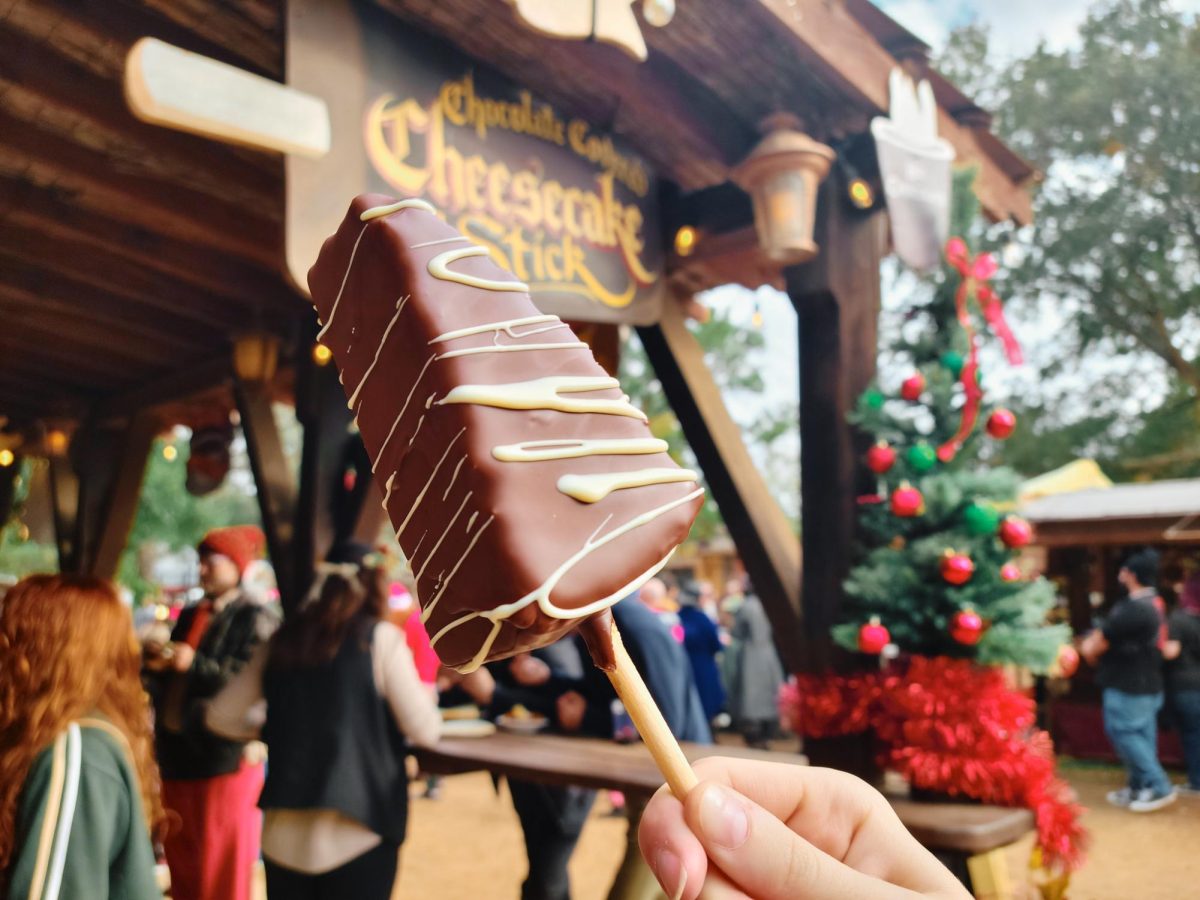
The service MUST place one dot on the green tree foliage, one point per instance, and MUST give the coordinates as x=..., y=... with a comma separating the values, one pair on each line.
x=171, y=517
x=898, y=578
x=1114, y=123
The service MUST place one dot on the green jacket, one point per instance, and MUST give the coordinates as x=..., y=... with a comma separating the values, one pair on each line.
x=80, y=830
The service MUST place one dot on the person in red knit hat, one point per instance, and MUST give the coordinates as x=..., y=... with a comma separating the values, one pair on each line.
x=210, y=784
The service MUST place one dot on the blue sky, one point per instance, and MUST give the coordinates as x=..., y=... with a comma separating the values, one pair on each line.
x=1016, y=25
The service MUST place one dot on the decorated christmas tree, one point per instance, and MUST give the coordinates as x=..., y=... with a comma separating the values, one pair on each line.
x=937, y=574
x=937, y=592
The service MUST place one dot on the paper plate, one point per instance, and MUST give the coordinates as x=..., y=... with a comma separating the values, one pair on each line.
x=522, y=725
x=467, y=728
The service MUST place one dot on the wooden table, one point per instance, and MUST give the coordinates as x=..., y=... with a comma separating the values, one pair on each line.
x=968, y=837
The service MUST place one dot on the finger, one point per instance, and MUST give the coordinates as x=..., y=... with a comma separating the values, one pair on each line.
x=674, y=854
x=838, y=814
x=718, y=887
x=768, y=860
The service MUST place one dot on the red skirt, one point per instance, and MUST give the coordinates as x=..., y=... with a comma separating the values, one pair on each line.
x=212, y=847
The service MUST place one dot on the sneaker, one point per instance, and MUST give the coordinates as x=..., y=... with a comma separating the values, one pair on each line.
x=1149, y=801
x=1187, y=790
x=1120, y=799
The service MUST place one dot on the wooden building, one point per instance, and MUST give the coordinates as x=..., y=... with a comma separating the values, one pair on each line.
x=143, y=270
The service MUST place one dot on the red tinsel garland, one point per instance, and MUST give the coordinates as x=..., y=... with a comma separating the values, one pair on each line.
x=948, y=725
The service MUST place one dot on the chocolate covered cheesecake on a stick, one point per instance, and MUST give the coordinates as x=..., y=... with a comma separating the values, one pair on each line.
x=526, y=491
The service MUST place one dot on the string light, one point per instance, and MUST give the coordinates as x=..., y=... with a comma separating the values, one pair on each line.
x=56, y=441
x=860, y=193
x=321, y=354
x=170, y=454
x=757, y=319
x=685, y=241
x=7, y=458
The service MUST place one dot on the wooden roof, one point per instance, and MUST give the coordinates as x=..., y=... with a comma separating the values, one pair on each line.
x=130, y=254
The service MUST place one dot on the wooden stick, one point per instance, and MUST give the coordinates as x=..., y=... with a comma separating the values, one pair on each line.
x=651, y=725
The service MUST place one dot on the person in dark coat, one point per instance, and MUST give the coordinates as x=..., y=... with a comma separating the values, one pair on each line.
x=757, y=675
x=1183, y=677
x=702, y=641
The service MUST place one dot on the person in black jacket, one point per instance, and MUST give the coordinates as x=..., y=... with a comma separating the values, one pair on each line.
x=1183, y=677
x=1130, y=672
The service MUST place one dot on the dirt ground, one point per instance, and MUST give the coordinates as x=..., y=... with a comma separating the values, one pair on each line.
x=467, y=845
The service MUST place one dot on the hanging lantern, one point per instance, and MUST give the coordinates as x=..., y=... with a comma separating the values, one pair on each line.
x=208, y=458
x=781, y=175
x=255, y=356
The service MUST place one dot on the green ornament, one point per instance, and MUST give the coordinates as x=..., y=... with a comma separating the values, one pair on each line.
x=873, y=399
x=921, y=457
x=953, y=362
x=981, y=519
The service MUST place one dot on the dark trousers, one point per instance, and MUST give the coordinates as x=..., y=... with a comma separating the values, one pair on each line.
x=552, y=819
x=366, y=877
x=1186, y=706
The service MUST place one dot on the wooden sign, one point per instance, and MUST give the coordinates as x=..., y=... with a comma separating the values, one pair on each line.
x=169, y=86
x=566, y=207
x=915, y=165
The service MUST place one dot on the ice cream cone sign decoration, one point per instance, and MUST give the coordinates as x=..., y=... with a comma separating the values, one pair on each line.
x=915, y=165
x=608, y=21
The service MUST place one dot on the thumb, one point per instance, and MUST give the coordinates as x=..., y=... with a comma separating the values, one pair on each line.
x=765, y=858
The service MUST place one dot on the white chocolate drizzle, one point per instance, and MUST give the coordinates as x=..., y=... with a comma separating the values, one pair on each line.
x=506, y=326
x=457, y=239
x=428, y=610
x=371, y=368
x=432, y=475
x=378, y=212
x=541, y=594
x=595, y=487
x=513, y=348
x=439, y=267
x=571, y=448
x=449, y=524
x=368, y=216
x=453, y=478
x=546, y=393
x=387, y=440
x=388, y=492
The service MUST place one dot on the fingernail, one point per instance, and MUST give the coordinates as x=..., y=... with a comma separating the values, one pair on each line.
x=670, y=873
x=723, y=818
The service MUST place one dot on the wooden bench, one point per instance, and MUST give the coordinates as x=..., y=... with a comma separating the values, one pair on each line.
x=969, y=838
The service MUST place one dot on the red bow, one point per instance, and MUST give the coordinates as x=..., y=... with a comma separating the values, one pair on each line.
x=975, y=276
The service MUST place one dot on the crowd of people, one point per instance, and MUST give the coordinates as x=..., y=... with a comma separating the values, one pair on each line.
x=1148, y=659
x=116, y=747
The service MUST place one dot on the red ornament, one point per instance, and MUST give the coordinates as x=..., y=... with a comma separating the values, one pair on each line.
x=1010, y=572
x=880, y=458
x=1066, y=663
x=1015, y=532
x=957, y=568
x=967, y=627
x=1001, y=424
x=873, y=637
x=907, y=501
x=913, y=387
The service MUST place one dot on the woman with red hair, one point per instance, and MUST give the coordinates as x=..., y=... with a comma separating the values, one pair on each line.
x=79, y=788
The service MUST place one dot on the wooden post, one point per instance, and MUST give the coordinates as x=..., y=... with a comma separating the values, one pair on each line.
x=761, y=531
x=111, y=529
x=276, y=490
x=837, y=305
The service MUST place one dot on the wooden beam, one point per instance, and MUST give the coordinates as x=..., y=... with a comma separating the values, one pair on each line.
x=121, y=503
x=166, y=388
x=761, y=531
x=168, y=205
x=1111, y=532
x=842, y=52
x=276, y=490
x=124, y=21
x=48, y=66
x=56, y=215
x=179, y=306
x=837, y=304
